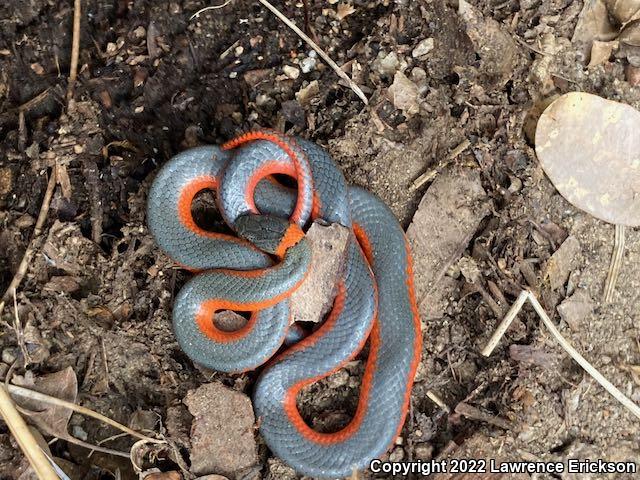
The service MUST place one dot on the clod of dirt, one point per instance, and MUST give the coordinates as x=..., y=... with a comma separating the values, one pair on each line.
x=315, y=296
x=588, y=147
x=222, y=430
x=446, y=219
x=562, y=262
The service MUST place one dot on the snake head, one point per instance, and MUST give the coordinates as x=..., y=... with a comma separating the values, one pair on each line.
x=269, y=233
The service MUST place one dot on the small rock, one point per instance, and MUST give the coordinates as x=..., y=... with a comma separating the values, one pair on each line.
x=212, y=477
x=338, y=379
x=308, y=64
x=423, y=48
x=262, y=100
x=386, y=64
x=280, y=470
x=37, y=68
x=291, y=72
x=229, y=321
x=424, y=451
x=9, y=355
x=315, y=296
x=403, y=93
x=140, y=32
x=79, y=432
x=222, y=430
x=396, y=455
x=239, y=50
x=144, y=420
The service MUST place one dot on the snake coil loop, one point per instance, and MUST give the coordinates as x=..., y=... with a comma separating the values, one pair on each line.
x=375, y=299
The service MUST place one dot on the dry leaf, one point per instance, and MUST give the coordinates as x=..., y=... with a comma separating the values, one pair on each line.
x=588, y=146
x=63, y=385
x=344, y=10
x=601, y=52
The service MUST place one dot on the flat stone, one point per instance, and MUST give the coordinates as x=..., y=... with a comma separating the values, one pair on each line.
x=447, y=217
x=222, y=431
x=423, y=48
x=576, y=309
x=313, y=300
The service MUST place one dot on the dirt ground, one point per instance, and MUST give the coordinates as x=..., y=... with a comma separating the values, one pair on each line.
x=98, y=293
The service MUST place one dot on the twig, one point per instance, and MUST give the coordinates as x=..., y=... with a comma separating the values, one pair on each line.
x=24, y=437
x=213, y=7
x=505, y=323
x=32, y=394
x=75, y=49
x=474, y=413
x=17, y=327
x=24, y=264
x=438, y=401
x=71, y=439
x=616, y=263
x=590, y=369
x=319, y=50
x=431, y=173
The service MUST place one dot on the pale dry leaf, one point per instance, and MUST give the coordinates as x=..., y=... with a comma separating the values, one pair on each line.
x=601, y=52
x=63, y=385
x=344, y=10
x=588, y=147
